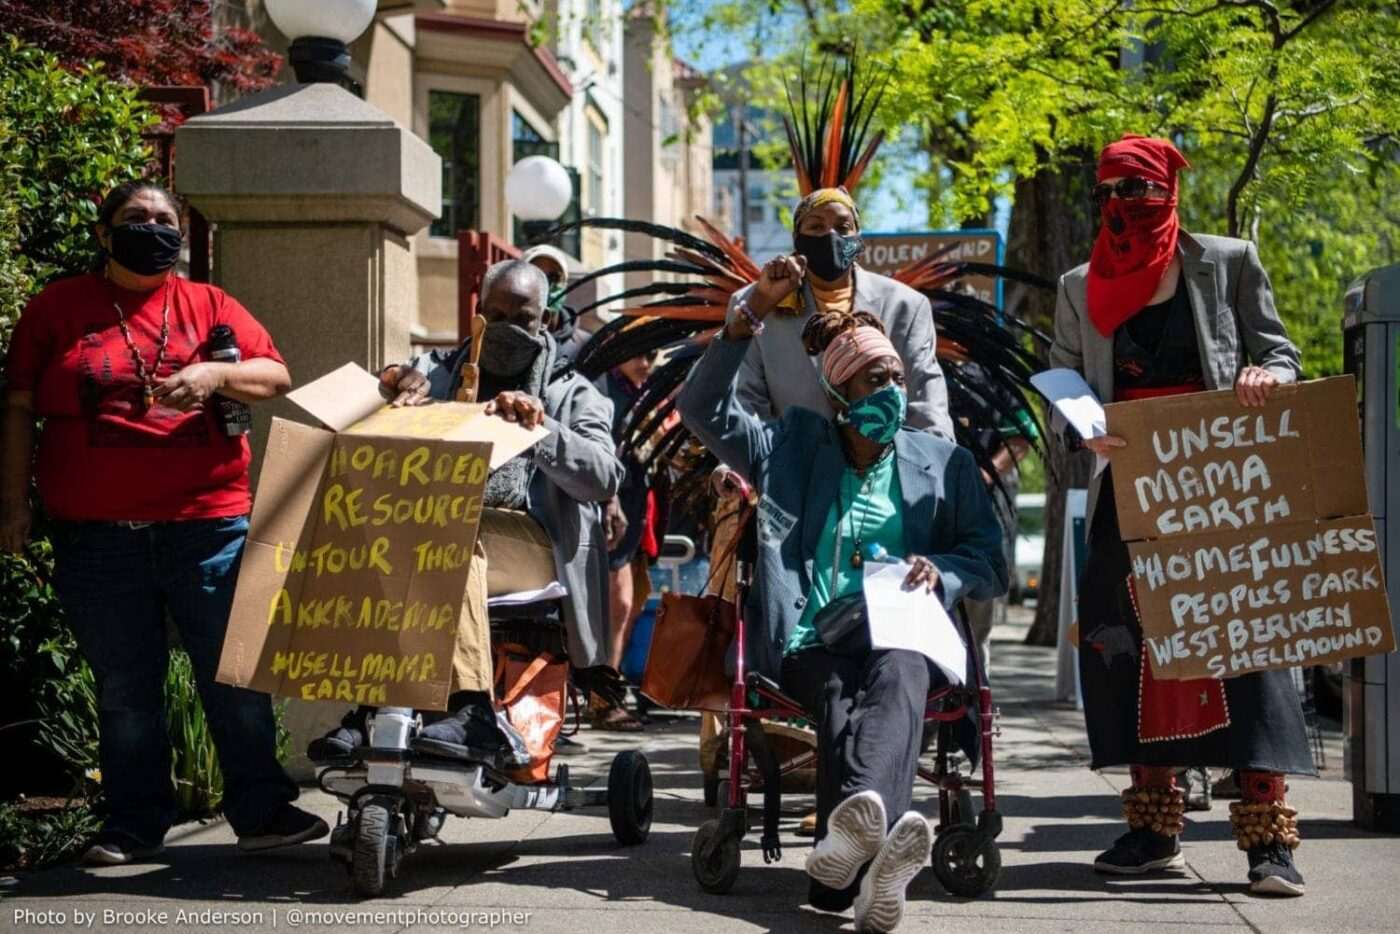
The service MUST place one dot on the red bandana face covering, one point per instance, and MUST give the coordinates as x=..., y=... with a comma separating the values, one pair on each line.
x=1137, y=238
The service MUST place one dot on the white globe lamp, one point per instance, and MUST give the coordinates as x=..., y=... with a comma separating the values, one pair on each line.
x=538, y=189
x=321, y=32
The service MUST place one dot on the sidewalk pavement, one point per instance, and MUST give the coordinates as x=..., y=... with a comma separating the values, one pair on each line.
x=567, y=875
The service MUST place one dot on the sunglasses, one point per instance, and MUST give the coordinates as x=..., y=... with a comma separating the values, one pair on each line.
x=1128, y=189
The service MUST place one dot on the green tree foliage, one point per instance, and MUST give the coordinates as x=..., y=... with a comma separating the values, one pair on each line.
x=1289, y=112
x=66, y=137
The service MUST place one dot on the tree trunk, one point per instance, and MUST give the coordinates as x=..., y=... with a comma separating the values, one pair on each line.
x=1052, y=230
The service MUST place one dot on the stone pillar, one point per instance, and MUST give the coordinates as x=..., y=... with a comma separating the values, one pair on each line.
x=315, y=195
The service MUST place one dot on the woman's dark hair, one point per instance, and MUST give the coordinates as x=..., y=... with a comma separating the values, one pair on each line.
x=824, y=327
x=117, y=198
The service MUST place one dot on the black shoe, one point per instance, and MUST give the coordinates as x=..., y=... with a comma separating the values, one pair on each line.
x=341, y=742
x=470, y=733
x=1271, y=871
x=1196, y=782
x=117, y=848
x=287, y=826
x=1140, y=851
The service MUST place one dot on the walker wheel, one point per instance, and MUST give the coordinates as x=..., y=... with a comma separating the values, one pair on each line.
x=966, y=861
x=714, y=858
x=630, y=797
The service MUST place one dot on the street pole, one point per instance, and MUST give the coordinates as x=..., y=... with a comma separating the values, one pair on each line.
x=741, y=123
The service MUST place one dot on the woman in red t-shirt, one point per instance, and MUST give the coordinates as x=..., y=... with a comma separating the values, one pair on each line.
x=145, y=479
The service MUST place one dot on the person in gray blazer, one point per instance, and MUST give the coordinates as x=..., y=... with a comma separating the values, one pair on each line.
x=830, y=490
x=562, y=482
x=1159, y=311
x=821, y=274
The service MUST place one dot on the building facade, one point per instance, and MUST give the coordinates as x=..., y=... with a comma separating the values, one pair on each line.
x=771, y=192
x=488, y=82
x=670, y=153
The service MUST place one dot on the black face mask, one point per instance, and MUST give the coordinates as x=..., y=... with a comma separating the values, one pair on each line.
x=830, y=255
x=145, y=249
x=508, y=349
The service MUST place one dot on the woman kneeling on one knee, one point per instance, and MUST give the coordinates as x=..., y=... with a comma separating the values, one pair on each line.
x=830, y=491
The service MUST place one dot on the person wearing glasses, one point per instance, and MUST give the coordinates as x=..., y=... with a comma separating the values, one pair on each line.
x=1158, y=311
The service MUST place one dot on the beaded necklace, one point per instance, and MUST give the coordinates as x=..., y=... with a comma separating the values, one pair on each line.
x=147, y=377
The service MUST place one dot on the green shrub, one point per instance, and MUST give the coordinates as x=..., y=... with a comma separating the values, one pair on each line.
x=66, y=137
x=199, y=782
x=33, y=838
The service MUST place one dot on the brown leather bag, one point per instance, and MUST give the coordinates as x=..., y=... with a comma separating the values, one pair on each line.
x=530, y=688
x=692, y=635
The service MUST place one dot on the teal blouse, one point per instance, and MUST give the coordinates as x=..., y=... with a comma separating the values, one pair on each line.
x=866, y=509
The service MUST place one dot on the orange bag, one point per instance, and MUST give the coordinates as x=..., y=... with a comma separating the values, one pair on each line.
x=530, y=689
x=685, y=667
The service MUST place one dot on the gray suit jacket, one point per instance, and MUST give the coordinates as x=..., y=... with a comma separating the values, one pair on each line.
x=576, y=471
x=1233, y=305
x=796, y=463
x=777, y=373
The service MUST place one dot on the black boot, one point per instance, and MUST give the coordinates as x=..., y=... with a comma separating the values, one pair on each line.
x=467, y=731
x=341, y=742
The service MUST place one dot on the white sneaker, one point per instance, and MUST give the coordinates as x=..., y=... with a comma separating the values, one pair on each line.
x=880, y=902
x=854, y=832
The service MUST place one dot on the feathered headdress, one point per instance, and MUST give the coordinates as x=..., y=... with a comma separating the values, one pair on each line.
x=981, y=350
x=827, y=136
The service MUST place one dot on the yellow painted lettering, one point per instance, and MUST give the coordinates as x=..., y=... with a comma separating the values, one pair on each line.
x=413, y=466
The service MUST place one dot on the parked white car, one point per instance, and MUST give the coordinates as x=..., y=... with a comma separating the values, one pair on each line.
x=1030, y=546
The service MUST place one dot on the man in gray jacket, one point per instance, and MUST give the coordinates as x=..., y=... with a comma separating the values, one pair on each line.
x=561, y=482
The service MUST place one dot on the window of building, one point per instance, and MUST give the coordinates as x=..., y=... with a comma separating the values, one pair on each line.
x=758, y=205
x=527, y=141
x=454, y=132
x=595, y=169
x=593, y=22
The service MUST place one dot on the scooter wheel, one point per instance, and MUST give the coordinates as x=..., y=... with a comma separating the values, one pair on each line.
x=714, y=858
x=966, y=861
x=630, y=798
x=371, y=860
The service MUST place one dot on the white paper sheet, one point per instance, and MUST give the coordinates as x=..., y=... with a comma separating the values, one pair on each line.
x=551, y=591
x=1074, y=399
x=911, y=619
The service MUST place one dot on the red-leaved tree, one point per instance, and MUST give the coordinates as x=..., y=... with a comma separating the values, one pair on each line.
x=146, y=42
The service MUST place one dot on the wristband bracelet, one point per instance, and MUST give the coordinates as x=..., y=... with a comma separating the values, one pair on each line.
x=755, y=325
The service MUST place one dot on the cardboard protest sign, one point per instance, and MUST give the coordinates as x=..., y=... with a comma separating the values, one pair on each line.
x=1201, y=462
x=1221, y=604
x=353, y=576
x=1248, y=530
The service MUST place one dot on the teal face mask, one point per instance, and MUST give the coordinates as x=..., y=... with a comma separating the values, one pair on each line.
x=879, y=415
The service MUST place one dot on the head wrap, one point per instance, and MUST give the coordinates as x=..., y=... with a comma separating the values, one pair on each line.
x=1137, y=238
x=820, y=197
x=851, y=351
